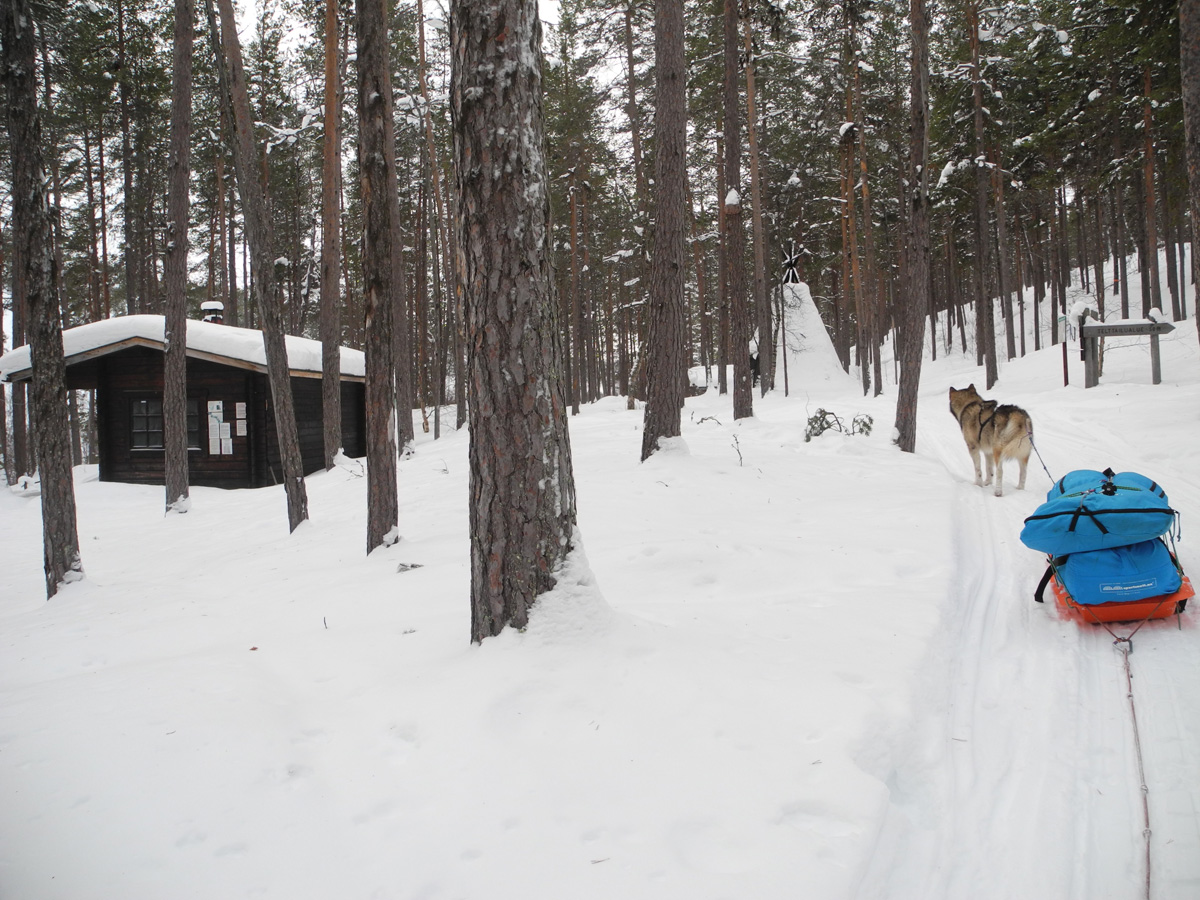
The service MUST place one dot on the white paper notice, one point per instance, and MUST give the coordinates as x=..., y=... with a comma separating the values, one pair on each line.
x=241, y=410
x=226, y=433
x=214, y=446
x=214, y=428
x=241, y=427
x=227, y=447
x=216, y=406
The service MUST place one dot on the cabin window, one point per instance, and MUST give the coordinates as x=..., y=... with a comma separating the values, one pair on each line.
x=146, y=424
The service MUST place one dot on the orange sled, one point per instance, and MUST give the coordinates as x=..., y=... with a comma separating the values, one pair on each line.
x=1159, y=607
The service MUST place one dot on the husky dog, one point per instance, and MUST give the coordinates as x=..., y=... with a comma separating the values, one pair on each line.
x=999, y=432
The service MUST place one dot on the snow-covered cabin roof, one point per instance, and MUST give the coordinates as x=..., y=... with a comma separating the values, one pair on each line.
x=240, y=347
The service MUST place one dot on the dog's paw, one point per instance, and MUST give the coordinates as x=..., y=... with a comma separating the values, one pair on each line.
x=998, y=492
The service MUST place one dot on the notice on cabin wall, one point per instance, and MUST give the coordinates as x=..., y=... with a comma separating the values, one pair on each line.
x=220, y=439
x=241, y=427
x=241, y=410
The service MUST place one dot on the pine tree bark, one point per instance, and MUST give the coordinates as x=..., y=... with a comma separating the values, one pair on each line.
x=870, y=291
x=723, y=358
x=265, y=281
x=377, y=164
x=1154, y=301
x=735, y=232
x=666, y=354
x=762, y=305
x=916, y=247
x=5, y=446
x=175, y=265
x=331, y=272
x=522, y=486
x=851, y=271
x=32, y=238
x=1189, y=57
x=1010, y=338
x=442, y=231
x=1145, y=265
x=985, y=323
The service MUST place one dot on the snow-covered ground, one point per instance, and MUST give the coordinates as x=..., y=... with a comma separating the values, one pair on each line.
x=795, y=670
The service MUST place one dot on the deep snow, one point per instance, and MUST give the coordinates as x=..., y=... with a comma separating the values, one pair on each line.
x=777, y=669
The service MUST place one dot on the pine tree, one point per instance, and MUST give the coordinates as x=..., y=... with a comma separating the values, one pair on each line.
x=377, y=164
x=522, y=503
x=32, y=238
x=667, y=365
x=331, y=299
x=915, y=306
x=266, y=286
x=174, y=407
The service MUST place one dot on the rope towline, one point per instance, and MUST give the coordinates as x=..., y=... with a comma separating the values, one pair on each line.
x=1125, y=645
x=1029, y=434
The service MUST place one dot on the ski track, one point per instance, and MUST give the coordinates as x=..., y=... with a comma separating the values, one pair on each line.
x=1052, y=809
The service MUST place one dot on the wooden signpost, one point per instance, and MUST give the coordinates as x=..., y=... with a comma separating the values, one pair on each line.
x=1090, y=345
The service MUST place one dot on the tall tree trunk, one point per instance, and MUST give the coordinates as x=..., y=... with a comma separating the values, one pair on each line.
x=666, y=361
x=723, y=358
x=32, y=234
x=94, y=303
x=1037, y=267
x=331, y=272
x=574, y=305
x=632, y=110
x=104, y=277
x=1145, y=257
x=916, y=247
x=1019, y=258
x=232, y=308
x=1189, y=55
x=1154, y=301
x=985, y=325
x=1120, y=251
x=377, y=163
x=1100, y=253
x=1169, y=245
x=1010, y=338
x=522, y=508
x=175, y=267
x=133, y=248
x=870, y=290
x=264, y=283
x=5, y=446
x=221, y=264
x=442, y=230
x=851, y=273
x=22, y=464
x=762, y=305
x=703, y=311
x=735, y=233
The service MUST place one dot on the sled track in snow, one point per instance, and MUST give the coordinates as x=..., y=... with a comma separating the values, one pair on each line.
x=1029, y=786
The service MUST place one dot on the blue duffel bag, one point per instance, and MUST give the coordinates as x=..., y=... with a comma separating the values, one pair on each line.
x=1089, y=510
x=1120, y=574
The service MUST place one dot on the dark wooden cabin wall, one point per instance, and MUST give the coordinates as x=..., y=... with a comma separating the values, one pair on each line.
x=138, y=372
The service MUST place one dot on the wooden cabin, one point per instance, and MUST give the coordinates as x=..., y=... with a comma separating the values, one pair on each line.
x=232, y=441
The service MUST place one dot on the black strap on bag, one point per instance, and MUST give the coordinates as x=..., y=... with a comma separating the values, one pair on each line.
x=1041, y=588
x=1055, y=562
